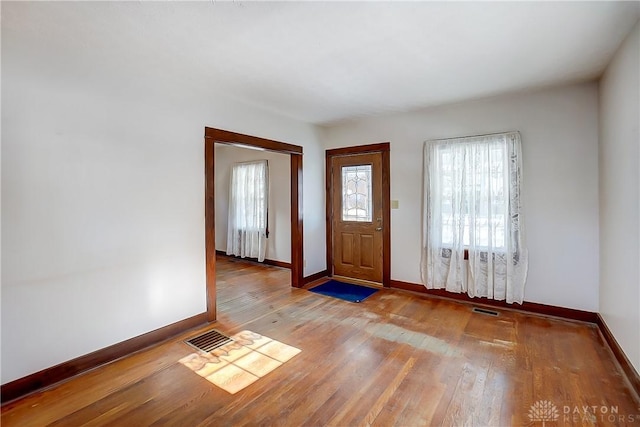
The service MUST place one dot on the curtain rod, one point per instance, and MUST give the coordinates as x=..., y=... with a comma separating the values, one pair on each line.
x=473, y=136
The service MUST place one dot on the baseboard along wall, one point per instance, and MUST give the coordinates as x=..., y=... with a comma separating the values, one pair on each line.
x=55, y=374
x=529, y=307
x=621, y=357
x=542, y=309
x=50, y=376
x=266, y=261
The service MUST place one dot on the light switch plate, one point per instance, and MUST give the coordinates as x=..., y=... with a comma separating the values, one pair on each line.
x=395, y=204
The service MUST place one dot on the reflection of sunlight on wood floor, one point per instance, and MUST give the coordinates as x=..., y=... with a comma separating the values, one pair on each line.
x=240, y=363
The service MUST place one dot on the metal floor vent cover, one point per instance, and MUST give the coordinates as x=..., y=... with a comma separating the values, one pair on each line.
x=209, y=341
x=485, y=311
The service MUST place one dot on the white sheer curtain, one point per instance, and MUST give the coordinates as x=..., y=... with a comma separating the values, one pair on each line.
x=248, y=203
x=472, y=189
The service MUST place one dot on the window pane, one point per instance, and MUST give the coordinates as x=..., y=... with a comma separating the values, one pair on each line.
x=249, y=195
x=356, y=193
x=472, y=193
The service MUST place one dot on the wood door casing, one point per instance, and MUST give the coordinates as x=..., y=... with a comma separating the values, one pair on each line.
x=357, y=246
x=213, y=136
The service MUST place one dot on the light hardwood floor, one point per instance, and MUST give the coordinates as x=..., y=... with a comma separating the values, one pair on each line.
x=395, y=359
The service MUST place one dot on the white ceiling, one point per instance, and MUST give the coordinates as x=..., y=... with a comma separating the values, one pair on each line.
x=322, y=62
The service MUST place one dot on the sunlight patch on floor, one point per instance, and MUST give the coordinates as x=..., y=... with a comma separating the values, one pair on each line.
x=240, y=363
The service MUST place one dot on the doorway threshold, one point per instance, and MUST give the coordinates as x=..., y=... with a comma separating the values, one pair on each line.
x=357, y=281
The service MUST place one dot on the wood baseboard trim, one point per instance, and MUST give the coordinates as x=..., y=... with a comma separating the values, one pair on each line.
x=47, y=377
x=621, y=357
x=282, y=264
x=314, y=277
x=530, y=307
x=547, y=310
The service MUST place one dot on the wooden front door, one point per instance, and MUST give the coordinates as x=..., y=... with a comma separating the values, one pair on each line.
x=357, y=216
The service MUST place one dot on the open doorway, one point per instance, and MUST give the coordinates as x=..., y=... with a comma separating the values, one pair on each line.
x=218, y=136
x=273, y=245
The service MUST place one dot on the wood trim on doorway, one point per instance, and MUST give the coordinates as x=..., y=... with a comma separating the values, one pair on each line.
x=385, y=149
x=213, y=136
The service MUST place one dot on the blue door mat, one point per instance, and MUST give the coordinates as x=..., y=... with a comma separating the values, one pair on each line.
x=345, y=291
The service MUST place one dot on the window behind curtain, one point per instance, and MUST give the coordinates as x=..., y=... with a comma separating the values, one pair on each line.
x=479, y=171
x=248, y=210
x=472, y=193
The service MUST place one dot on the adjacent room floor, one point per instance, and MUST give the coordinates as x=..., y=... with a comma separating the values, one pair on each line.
x=395, y=359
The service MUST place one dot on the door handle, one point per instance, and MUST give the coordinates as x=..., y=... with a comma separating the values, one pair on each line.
x=378, y=228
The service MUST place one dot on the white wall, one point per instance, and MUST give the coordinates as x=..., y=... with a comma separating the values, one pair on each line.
x=103, y=204
x=620, y=196
x=279, y=241
x=559, y=128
